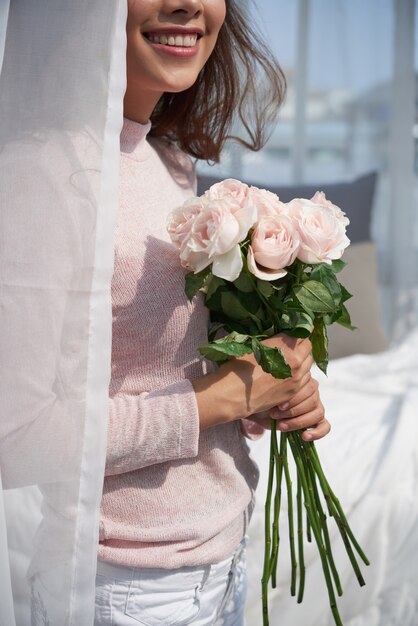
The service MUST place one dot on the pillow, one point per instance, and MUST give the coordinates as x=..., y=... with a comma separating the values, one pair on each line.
x=360, y=278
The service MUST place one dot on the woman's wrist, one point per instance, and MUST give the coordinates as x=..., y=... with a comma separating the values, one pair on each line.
x=218, y=398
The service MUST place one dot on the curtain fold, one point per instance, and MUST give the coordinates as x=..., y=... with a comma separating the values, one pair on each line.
x=61, y=92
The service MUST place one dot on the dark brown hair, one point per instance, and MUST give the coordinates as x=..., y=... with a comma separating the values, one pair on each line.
x=241, y=79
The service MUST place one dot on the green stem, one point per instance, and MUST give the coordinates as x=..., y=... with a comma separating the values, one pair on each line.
x=338, y=514
x=277, y=500
x=310, y=507
x=290, y=516
x=266, y=568
x=299, y=271
x=308, y=530
x=340, y=510
x=300, y=541
x=323, y=520
x=264, y=300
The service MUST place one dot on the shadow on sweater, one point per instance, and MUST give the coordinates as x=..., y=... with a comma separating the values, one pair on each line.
x=178, y=163
x=157, y=332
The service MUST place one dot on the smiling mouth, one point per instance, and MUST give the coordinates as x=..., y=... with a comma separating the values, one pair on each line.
x=173, y=39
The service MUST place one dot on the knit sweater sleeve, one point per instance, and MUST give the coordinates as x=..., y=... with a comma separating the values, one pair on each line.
x=152, y=427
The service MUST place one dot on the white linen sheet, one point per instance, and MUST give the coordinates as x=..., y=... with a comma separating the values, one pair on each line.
x=371, y=460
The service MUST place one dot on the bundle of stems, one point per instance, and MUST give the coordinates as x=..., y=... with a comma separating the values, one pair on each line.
x=310, y=481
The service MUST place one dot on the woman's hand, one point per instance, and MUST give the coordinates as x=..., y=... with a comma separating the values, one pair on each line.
x=240, y=388
x=304, y=410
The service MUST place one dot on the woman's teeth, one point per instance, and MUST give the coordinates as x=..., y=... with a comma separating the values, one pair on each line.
x=174, y=40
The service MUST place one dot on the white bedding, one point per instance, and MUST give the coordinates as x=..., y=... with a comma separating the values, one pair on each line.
x=371, y=461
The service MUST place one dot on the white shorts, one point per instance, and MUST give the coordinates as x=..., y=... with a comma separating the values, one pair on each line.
x=208, y=595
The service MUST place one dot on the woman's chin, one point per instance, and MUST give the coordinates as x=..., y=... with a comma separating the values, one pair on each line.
x=179, y=87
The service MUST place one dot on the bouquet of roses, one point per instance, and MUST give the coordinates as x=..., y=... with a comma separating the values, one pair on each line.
x=269, y=267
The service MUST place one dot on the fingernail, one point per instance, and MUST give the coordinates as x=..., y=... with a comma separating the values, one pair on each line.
x=274, y=414
x=284, y=406
x=283, y=426
x=308, y=436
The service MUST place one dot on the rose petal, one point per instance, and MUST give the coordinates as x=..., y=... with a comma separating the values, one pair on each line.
x=229, y=265
x=195, y=261
x=265, y=273
x=223, y=230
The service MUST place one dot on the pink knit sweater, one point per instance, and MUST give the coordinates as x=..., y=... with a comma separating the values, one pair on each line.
x=172, y=496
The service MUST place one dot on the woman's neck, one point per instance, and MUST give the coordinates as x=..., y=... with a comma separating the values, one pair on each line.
x=139, y=107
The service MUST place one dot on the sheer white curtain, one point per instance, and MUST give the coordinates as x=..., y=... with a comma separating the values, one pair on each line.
x=351, y=109
x=61, y=91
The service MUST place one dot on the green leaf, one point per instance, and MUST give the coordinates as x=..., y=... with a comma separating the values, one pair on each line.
x=252, y=303
x=338, y=265
x=194, y=282
x=345, y=320
x=271, y=360
x=232, y=307
x=314, y=296
x=330, y=319
x=216, y=288
x=269, y=332
x=223, y=349
x=244, y=283
x=319, y=341
x=297, y=323
x=214, y=284
x=265, y=288
x=324, y=274
x=276, y=298
x=295, y=305
x=279, y=287
x=240, y=306
x=234, y=338
x=276, y=303
x=247, y=326
x=345, y=295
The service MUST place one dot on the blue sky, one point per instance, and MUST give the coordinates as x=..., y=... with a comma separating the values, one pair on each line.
x=351, y=41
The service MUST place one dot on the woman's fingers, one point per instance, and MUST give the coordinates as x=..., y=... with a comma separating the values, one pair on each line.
x=319, y=431
x=306, y=420
x=303, y=411
x=287, y=409
x=306, y=400
x=314, y=432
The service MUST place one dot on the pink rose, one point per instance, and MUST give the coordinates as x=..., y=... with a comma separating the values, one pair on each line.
x=274, y=246
x=209, y=232
x=320, y=198
x=321, y=231
x=237, y=194
x=266, y=202
x=179, y=222
x=230, y=188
